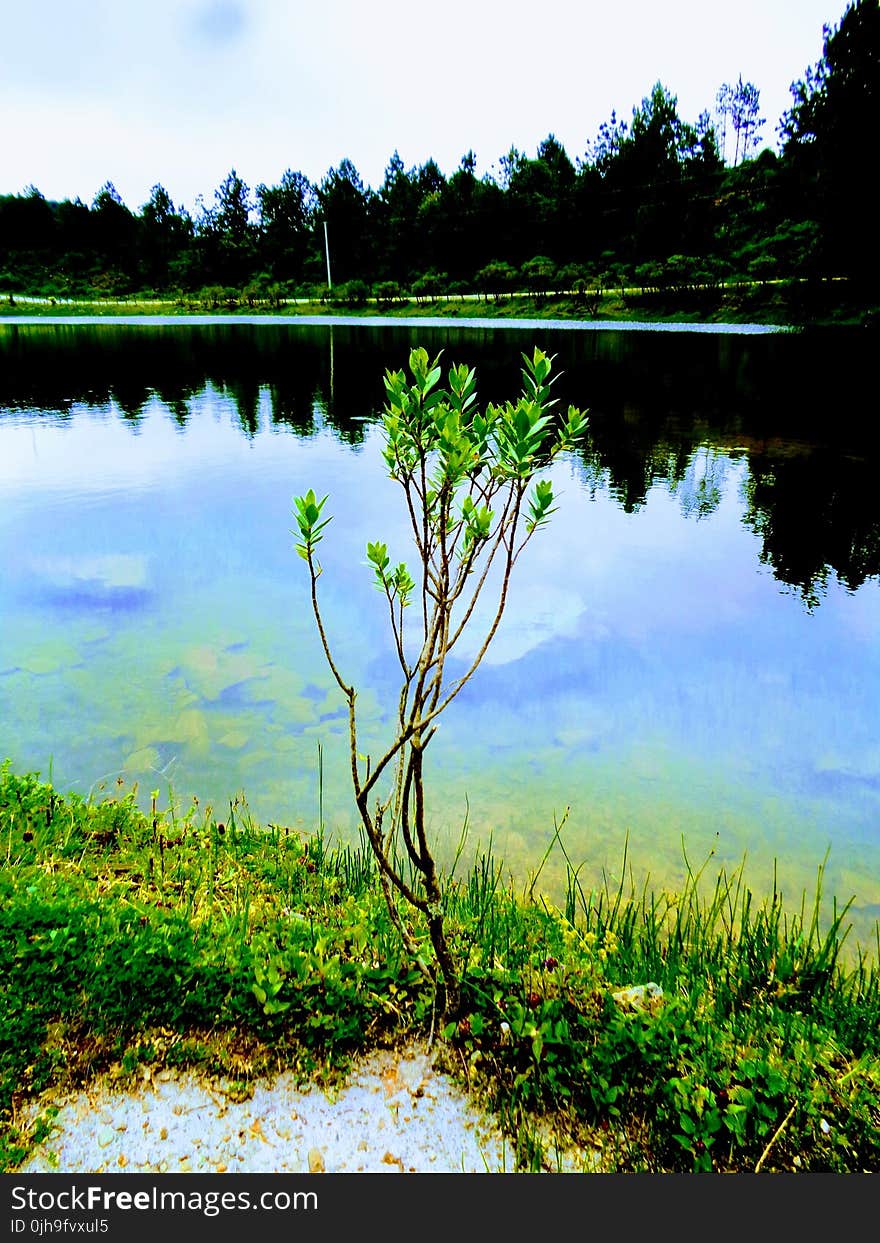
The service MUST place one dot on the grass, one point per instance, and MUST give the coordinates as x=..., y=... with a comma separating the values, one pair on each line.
x=180, y=938
x=783, y=303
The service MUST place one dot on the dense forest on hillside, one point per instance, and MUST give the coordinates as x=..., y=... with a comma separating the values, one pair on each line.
x=666, y=204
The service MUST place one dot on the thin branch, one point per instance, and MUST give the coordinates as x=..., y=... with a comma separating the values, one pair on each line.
x=315, y=574
x=411, y=948
x=775, y=1137
x=498, y=542
x=414, y=854
x=435, y=687
x=378, y=845
x=405, y=479
x=395, y=630
x=483, y=649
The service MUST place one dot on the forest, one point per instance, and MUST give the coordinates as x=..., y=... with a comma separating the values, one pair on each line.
x=655, y=201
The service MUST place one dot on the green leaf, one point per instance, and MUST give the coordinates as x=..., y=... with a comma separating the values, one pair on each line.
x=377, y=555
x=307, y=512
x=575, y=426
x=403, y=583
x=276, y=1007
x=540, y=505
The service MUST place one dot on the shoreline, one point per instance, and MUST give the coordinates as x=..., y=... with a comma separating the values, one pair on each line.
x=199, y=319
x=174, y=968
x=770, y=306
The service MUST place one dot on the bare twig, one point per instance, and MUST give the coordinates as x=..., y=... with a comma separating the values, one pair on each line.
x=775, y=1137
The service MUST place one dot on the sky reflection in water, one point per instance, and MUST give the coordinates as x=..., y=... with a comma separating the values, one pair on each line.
x=650, y=672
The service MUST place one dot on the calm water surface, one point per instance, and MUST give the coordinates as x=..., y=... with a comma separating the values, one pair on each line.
x=690, y=656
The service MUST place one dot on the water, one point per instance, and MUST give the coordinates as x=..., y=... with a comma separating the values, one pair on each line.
x=690, y=657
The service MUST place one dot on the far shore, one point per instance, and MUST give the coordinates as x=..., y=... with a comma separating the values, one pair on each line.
x=740, y=306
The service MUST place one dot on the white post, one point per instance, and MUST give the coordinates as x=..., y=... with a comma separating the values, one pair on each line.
x=327, y=253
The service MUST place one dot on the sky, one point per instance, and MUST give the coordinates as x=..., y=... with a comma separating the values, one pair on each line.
x=179, y=92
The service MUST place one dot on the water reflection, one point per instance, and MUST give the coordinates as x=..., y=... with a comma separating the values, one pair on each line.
x=663, y=665
x=663, y=409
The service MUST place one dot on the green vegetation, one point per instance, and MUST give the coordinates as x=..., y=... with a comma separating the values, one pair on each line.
x=134, y=941
x=466, y=475
x=799, y=300
x=681, y=209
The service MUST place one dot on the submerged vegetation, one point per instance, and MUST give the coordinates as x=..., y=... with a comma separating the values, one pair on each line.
x=706, y=1030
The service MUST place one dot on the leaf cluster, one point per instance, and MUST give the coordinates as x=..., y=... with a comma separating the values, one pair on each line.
x=467, y=456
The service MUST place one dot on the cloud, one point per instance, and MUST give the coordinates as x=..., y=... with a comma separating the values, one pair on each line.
x=179, y=91
x=219, y=21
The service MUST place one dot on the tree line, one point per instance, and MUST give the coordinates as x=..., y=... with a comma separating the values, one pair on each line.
x=655, y=200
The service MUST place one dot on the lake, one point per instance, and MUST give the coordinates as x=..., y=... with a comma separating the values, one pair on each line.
x=689, y=659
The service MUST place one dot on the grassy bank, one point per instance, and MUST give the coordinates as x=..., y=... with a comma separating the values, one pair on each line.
x=197, y=939
x=783, y=303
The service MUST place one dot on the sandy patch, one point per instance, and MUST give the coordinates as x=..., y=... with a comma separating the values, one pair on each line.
x=396, y=1114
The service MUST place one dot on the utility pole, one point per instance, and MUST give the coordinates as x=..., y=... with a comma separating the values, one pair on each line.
x=327, y=254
